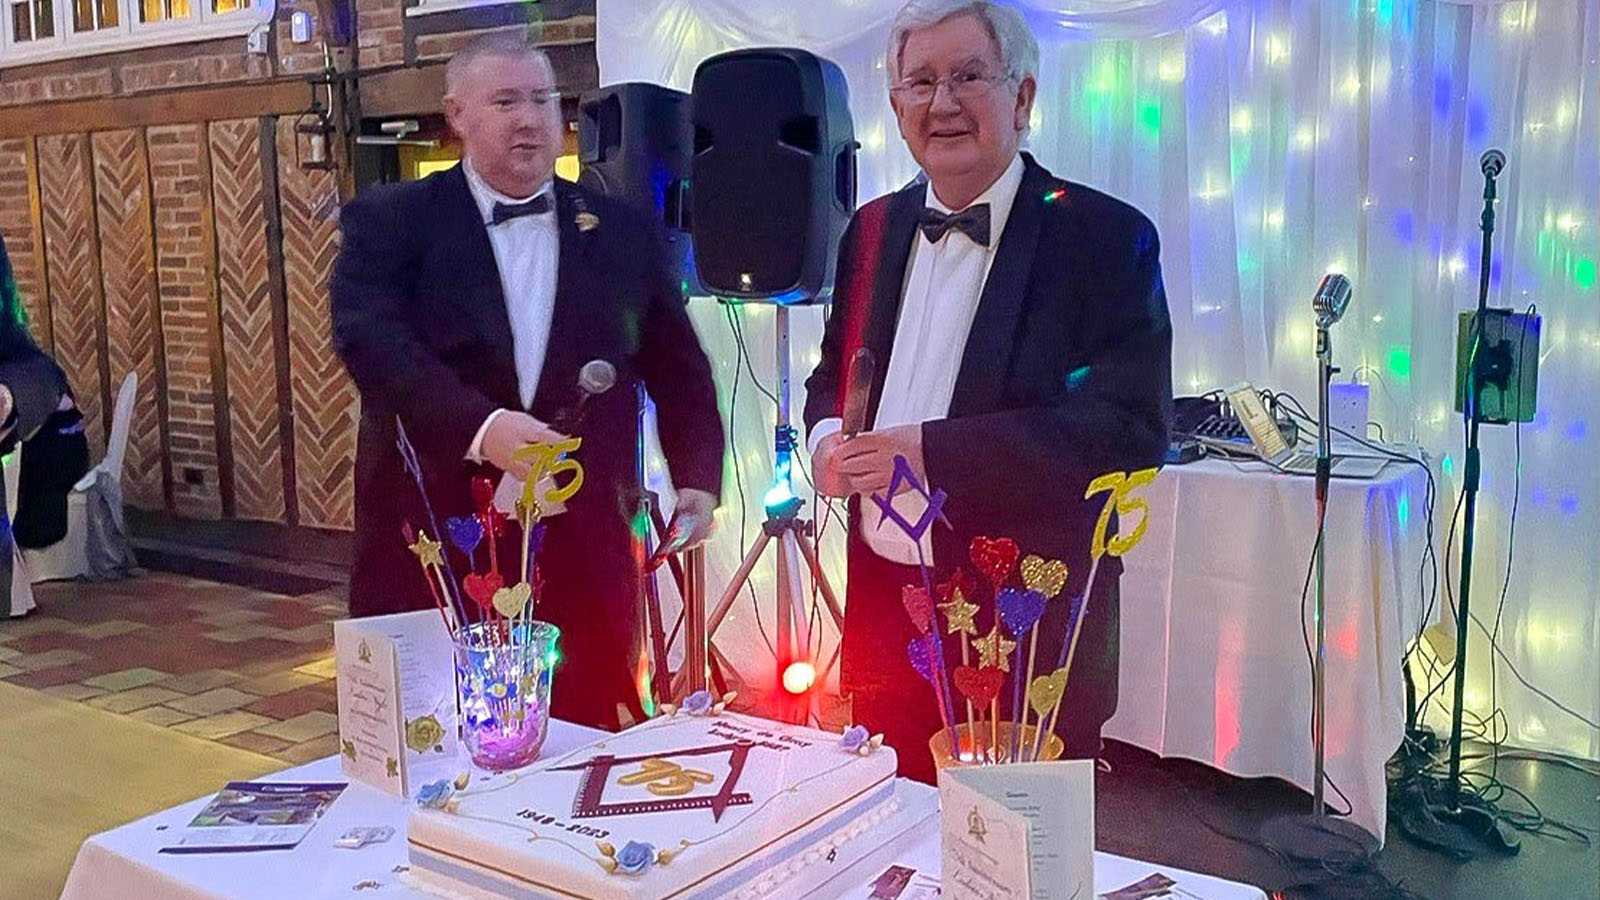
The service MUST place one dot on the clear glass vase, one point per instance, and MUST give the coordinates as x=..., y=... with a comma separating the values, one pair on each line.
x=503, y=675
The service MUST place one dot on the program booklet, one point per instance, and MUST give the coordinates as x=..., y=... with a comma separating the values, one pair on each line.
x=256, y=815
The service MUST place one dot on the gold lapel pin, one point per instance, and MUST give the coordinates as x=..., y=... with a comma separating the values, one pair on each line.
x=587, y=221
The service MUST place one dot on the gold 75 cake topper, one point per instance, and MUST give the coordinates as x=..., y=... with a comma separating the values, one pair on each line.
x=1121, y=499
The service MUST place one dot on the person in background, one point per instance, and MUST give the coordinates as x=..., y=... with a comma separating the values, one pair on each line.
x=38, y=413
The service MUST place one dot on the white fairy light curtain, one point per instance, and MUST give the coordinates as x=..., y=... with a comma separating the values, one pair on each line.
x=1272, y=142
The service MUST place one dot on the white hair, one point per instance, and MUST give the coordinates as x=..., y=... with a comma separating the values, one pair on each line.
x=1019, y=51
x=499, y=45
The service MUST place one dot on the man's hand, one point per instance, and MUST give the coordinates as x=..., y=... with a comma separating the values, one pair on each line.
x=5, y=403
x=693, y=518
x=825, y=467
x=864, y=464
x=511, y=431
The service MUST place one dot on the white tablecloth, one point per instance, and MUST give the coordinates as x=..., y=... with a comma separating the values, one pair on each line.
x=1213, y=665
x=123, y=864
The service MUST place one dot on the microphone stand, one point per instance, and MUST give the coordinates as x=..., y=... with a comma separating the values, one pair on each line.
x=1319, y=668
x=1317, y=836
x=1466, y=826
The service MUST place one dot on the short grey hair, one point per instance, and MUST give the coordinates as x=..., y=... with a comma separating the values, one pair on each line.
x=499, y=45
x=1019, y=51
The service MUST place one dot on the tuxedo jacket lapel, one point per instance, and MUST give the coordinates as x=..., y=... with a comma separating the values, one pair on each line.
x=894, y=254
x=993, y=338
x=573, y=322
x=481, y=297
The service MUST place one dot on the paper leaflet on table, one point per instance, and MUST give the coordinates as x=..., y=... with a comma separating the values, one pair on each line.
x=253, y=815
x=396, y=687
x=1054, y=849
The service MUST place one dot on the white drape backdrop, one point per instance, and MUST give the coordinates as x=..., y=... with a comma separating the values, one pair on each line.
x=1273, y=141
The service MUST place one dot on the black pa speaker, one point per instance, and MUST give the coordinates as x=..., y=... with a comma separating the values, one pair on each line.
x=634, y=145
x=773, y=181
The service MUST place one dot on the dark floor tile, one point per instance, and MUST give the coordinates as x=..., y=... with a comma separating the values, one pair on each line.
x=51, y=640
x=294, y=703
x=56, y=675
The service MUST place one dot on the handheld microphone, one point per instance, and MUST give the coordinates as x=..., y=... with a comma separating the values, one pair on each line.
x=858, y=390
x=1333, y=297
x=1492, y=163
x=596, y=377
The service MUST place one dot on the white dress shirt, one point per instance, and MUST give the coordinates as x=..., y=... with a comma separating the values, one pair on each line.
x=944, y=282
x=527, y=250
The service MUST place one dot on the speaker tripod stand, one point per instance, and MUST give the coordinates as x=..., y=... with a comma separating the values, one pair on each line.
x=792, y=539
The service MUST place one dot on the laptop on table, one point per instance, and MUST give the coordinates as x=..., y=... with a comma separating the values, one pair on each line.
x=1271, y=448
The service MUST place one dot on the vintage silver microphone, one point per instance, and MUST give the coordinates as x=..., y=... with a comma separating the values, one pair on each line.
x=1333, y=297
x=596, y=377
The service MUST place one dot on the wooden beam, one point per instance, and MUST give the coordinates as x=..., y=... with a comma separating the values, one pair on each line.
x=173, y=107
x=419, y=90
x=403, y=92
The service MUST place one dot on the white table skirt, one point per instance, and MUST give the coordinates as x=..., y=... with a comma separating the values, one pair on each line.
x=1213, y=665
x=124, y=863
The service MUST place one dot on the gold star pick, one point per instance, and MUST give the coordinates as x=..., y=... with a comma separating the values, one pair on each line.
x=958, y=614
x=994, y=649
x=428, y=551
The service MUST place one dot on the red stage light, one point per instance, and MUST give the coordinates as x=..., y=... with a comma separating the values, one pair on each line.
x=798, y=677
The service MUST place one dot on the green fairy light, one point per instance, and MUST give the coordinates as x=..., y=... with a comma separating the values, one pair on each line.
x=1583, y=274
x=1150, y=118
x=1400, y=361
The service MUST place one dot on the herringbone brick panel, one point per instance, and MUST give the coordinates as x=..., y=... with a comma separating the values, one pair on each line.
x=246, y=304
x=128, y=271
x=67, y=197
x=325, y=403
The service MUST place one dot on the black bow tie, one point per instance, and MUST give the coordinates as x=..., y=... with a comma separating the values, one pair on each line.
x=505, y=212
x=972, y=222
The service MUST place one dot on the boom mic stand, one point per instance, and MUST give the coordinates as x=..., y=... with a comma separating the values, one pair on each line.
x=1466, y=825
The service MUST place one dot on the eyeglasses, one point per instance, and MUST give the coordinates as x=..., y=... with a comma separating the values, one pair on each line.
x=969, y=85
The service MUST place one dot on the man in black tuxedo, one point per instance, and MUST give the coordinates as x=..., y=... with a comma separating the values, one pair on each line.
x=465, y=304
x=1023, y=348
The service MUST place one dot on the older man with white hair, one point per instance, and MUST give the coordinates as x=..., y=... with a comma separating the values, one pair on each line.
x=1023, y=348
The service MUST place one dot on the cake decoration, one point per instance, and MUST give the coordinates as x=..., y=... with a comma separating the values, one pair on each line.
x=699, y=703
x=856, y=739
x=436, y=794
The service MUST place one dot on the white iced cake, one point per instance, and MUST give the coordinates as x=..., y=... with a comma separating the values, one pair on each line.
x=688, y=807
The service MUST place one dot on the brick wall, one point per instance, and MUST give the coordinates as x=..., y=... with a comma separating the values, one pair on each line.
x=298, y=59
x=21, y=232
x=185, y=251
x=380, y=33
